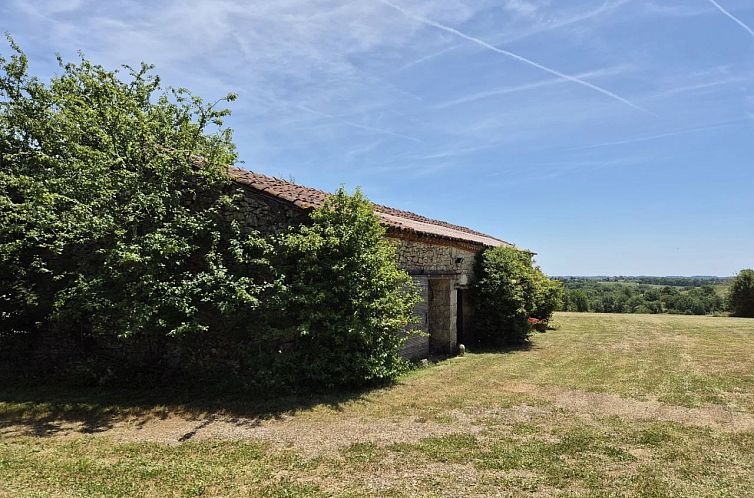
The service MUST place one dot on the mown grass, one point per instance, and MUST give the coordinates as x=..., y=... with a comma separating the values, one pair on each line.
x=504, y=431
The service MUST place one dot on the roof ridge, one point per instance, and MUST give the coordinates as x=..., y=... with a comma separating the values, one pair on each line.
x=307, y=197
x=435, y=221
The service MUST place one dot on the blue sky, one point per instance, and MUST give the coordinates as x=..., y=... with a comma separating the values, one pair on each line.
x=609, y=136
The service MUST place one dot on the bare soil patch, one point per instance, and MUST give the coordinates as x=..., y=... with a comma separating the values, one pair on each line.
x=316, y=436
x=601, y=404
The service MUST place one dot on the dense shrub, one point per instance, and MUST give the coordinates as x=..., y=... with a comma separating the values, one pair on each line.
x=509, y=290
x=741, y=295
x=117, y=245
x=548, y=295
x=346, y=299
x=111, y=226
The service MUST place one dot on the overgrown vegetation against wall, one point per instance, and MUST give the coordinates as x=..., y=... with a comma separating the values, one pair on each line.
x=117, y=244
x=510, y=290
x=345, y=297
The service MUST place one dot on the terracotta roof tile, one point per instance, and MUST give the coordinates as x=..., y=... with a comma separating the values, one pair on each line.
x=307, y=198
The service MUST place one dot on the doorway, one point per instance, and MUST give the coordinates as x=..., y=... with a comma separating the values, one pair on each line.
x=439, y=316
x=460, y=322
x=465, y=317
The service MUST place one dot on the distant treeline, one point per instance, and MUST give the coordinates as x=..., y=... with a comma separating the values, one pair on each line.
x=676, y=295
x=696, y=281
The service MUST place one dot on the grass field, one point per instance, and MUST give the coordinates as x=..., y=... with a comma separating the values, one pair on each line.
x=633, y=405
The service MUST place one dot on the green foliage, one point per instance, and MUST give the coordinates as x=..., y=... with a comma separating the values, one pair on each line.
x=114, y=232
x=117, y=208
x=113, y=229
x=548, y=295
x=741, y=295
x=346, y=298
x=509, y=290
x=627, y=296
x=575, y=300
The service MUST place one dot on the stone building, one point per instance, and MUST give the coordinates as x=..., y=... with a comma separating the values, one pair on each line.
x=439, y=256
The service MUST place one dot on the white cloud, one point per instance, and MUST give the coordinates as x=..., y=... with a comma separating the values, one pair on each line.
x=554, y=19
x=522, y=8
x=332, y=74
x=47, y=8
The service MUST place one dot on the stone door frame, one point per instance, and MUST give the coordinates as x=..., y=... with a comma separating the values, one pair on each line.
x=442, y=314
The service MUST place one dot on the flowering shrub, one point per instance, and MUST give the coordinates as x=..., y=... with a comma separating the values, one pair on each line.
x=538, y=324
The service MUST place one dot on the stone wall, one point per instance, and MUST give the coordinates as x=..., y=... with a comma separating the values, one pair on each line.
x=425, y=258
x=439, y=271
x=267, y=214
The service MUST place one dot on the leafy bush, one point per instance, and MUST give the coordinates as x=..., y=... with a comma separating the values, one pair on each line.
x=548, y=295
x=741, y=295
x=113, y=230
x=118, y=245
x=509, y=290
x=346, y=299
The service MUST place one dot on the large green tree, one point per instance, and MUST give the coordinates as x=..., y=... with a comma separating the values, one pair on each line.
x=741, y=294
x=117, y=212
x=112, y=225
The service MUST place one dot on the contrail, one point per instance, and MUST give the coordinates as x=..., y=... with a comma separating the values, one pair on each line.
x=357, y=125
x=734, y=18
x=607, y=6
x=648, y=138
x=517, y=88
x=427, y=57
x=517, y=57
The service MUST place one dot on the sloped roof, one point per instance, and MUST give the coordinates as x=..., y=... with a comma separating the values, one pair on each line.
x=395, y=219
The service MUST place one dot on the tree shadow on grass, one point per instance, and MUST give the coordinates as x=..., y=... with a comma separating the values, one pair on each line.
x=49, y=410
x=45, y=411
